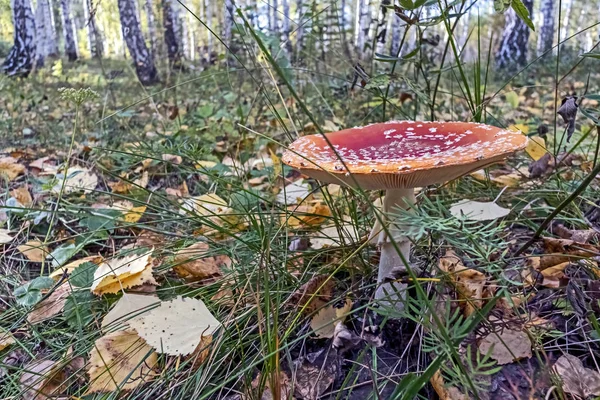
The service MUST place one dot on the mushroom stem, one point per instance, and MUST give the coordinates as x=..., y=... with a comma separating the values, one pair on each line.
x=390, y=257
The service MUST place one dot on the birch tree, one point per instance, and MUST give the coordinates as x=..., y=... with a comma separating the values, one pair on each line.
x=546, y=37
x=174, y=47
x=512, y=52
x=151, y=21
x=142, y=59
x=94, y=37
x=46, y=45
x=21, y=57
x=382, y=24
x=304, y=25
x=68, y=30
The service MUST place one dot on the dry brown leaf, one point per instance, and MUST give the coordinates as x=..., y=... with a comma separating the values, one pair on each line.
x=6, y=339
x=306, y=215
x=5, y=236
x=562, y=250
x=120, y=360
x=314, y=294
x=43, y=379
x=577, y=380
x=43, y=164
x=445, y=392
x=10, y=168
x=200, y=353
x=506, y=346
x=51, y=305
x=279, y=384
x=75, y=179
x=469, y=283
x=192, y=266
x=22, y=195
x=34, y=250
x=315, y=373
x=172, y=159
x=323, y=323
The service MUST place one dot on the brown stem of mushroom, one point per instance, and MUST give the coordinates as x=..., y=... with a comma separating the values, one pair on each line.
x=390, y=257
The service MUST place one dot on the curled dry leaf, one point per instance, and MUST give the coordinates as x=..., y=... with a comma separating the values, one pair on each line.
x=344, y=339
x=51, y=305
x=10, y=168
x=128, y=307
x=120, y=360
x=469, y=283
x=34, y=250
x=121, y=273
x=306, y=215
x=577, y=380
x=324, y=322
x=43, y=379
x=444, y=391
x=6, y=339
x=315, y=373
x=176, y=327
x=506, y=346
x=273, y=384
x=200, y=354
x=191, y=265
x=314, y=294
x=558, y=251
x=22, y=195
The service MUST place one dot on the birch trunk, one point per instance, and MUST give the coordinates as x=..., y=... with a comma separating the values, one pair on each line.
x=21, y=57
x=151, y=26
x=174, y=48
x=46, y=45
x=94, y=37
x=68, y=30
x=382, y=24
x=512, y=52
x=546, y=37
x=142, y=59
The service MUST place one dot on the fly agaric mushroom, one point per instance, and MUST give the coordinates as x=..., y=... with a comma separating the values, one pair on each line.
x=399, y=156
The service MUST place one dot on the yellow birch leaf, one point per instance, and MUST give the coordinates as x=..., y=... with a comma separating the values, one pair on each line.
x=536, y=148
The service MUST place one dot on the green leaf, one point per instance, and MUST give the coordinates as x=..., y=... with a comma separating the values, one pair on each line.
x=30, y=293
x=501, y=5
x=523, y=13
x=78, y=309
x=513, y=99
x=62, y=254
x=83, y=275
x=592, y=96
x=591, y=55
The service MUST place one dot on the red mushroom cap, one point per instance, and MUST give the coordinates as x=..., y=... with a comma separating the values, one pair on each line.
x=402, y=154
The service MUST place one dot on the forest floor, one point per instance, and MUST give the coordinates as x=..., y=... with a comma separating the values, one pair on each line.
x=156, y=246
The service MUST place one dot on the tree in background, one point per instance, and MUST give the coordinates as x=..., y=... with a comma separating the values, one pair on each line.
x=150, y=20
x=46, y=45
x=546, y=37
x=172, y=39
x=68, y=30
x=142, y=59
x=512, y=52
x=22, y=55
x=94, y=37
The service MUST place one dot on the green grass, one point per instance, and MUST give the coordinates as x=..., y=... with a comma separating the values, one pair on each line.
x=254, y=109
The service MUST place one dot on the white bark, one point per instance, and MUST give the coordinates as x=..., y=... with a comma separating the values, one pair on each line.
x=46, y=45
x=546, y=36
x=95, y=44
x=69, y=30
x=151, y=21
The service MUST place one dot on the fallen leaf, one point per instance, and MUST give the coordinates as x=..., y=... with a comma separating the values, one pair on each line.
x=10, y=169
x=67, y=269
x=273, y=383
x=314, y=294
x=536, y=148
x=577, y=380
x=5, y=236
x=323, y=323
x=315, y=373
x=558, y=251
x=176, y=327
x=120, y=360
x=34, y=250
x=51, y=305
x=478, y=211
x=22, y=195
x=121, y=273
x=469, y=283
x=330, y=236
x=506, y=346
x=128, y=307
x=294, y=193
x=200, y=354
x=172, y=158
x=75, y=179
x=306, y=215
x=444, y=391
x=191, y=265
x=6, y=339
x=42, y=379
